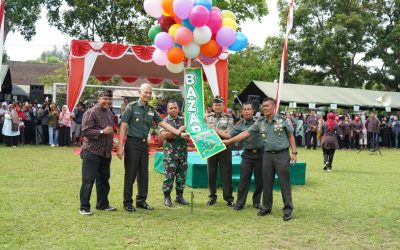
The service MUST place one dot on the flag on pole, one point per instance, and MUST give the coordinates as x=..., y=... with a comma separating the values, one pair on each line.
x=289, y=26
x=2, y=3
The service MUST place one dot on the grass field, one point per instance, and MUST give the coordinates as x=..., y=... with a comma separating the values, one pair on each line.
x=356, y=206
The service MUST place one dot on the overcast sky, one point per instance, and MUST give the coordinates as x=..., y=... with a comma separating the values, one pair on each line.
x=46, y=37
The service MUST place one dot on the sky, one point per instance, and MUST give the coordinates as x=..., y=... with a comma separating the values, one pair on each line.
x=47, y=37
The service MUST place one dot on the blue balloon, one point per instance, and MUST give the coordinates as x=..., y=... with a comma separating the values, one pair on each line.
x=187, y=24
x=240, y=42
x=206, y=3
x=178, y=45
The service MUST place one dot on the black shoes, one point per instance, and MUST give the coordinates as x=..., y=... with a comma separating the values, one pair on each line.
x=326, y=166
x=230, y=204
x=287, y=217
x=144, y=205
x=180, y=200
x=211, y=202
x=263, y=212
x=129, y=208
x=84, y=211
x=167, y=201
x=108, y=209
x=238, y=208
x=257, y=205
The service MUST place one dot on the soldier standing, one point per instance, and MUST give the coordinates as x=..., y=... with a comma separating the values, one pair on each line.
x=278, y=136
x=136, y=123
x=312, y=127
x=175, y=157
x=252, y=157
x=220, y=121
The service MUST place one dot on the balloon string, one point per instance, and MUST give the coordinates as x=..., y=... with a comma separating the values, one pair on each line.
x=189, y=64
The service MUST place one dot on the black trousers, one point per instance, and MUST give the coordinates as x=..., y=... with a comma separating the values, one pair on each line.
x=299, y=141
x=328, y=155
x=95, y=168
x=277, y=163
x=136, y=163
x=371, y=140
x=64, y=136
x=313, y=135
x=355, y=141
x=45, y=134
x=11, y=141
x=346, y=141
x=224, y=161
x=250, y=161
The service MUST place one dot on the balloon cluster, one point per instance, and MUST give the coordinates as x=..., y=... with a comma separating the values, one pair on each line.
x=187, y=29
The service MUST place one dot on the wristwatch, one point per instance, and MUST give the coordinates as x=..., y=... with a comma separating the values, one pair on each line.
x=101, y=131
x=294, y=153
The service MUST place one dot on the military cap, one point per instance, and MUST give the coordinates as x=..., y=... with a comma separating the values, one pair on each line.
x=218, y=99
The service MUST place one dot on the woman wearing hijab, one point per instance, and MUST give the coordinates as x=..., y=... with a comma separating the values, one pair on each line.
x=22, y=118
x=11, y=134
x=64, y=120
x=329, y=132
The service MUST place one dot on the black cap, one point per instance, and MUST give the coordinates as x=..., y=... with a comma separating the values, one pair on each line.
x=218, y=99
x=106, y=92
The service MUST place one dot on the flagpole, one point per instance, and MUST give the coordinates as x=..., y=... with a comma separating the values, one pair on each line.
x=289, y=26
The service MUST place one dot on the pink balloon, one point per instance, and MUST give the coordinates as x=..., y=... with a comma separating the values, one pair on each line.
x=199, y=16
x=215, y=21
x=213, y=9
x=182, y=8
x=163, y=41
x=183, y=36
x=226, y=36
x=160, y=57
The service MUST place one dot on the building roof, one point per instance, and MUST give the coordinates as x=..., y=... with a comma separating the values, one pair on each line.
x=29, y=73
x=18, y=91
x=320, y=95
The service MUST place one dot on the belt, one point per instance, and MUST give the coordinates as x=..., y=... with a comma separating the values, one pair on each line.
x=278, y=151
x=137, y=139
x=254, y=151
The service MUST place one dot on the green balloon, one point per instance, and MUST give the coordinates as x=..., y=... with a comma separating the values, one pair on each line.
x=153, y=31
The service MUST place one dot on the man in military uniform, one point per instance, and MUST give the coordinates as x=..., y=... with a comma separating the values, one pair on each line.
x=136, y=122
x=175, y=157
x=251, y=158
x=312, y=127
x=277, y=135
x=220, y=122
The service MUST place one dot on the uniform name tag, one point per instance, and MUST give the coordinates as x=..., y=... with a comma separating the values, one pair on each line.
x=137, y=113
x=150, y=113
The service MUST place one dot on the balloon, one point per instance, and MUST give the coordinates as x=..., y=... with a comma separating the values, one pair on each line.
x=163, y=41
x=209, y=49
x=173, y=29
x=182, y=8
x=175, y=55
x=153, y=8
x=229, y=22
x=240, y=42
x=228, y=14
x=202, y=35
x=160, y=57
x=166, y=22
x=192, y=50
x=205, y=3
x=187, y=24
x=178, y=45
x=183, y=36
x=215, y=21
x=153, y=31
x=226, y=36
x=199, y=16
x=175, y=68
x=215, y=9
x=167, y=6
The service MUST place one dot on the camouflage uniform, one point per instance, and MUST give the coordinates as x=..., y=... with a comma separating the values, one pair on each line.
x=175, y=159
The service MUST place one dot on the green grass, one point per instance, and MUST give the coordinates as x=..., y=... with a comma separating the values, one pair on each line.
x=355, y=206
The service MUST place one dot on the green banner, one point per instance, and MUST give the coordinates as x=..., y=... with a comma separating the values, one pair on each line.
x=205, y=139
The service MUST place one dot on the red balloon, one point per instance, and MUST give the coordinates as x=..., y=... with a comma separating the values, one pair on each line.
x=166, y=22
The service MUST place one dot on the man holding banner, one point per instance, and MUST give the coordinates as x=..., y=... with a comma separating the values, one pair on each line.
x=278, y=136
x=136, y=123
x=220, y=122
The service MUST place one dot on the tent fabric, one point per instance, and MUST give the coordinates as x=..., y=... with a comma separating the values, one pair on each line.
x=320, y=95
x=105, y=60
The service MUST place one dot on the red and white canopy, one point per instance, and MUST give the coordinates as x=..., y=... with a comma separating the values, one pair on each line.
x=134, y=64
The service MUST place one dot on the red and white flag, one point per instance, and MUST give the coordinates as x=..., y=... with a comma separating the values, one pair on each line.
x=2, y=3
x=289, y=26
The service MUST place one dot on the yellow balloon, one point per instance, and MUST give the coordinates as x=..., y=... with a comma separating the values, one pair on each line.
x=228, y=14
x=229, y=22
x=173, y=29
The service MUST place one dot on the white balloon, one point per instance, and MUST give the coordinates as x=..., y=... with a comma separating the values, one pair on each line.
x=175, y=68
x=160, y=57
x=153, y=8
x=202, y=35
x=192, y=50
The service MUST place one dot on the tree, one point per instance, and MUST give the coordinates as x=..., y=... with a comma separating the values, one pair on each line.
x=123, y=20
x=21, y=16
x=331, y=38
x=56, y=55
